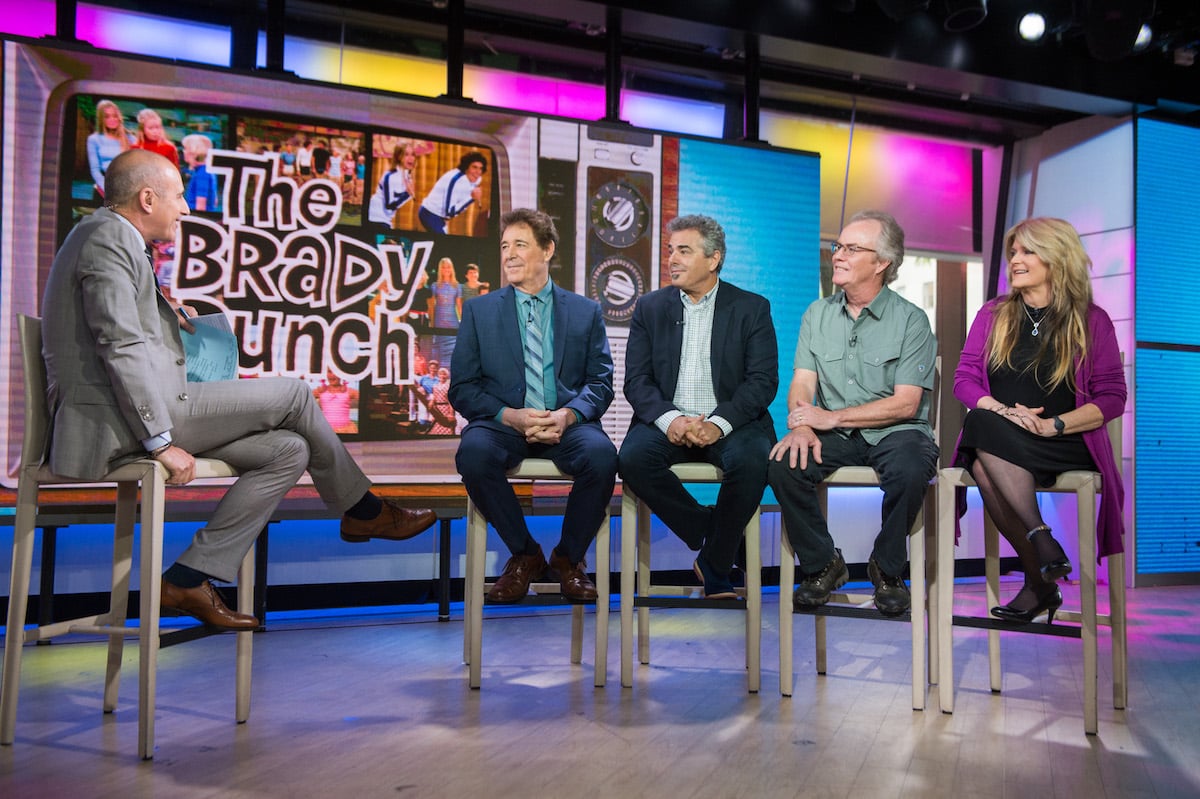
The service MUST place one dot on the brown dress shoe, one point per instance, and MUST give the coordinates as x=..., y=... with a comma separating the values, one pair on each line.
x=519, y=572
x=393, y=523
x=572, y=578
x=205, y=604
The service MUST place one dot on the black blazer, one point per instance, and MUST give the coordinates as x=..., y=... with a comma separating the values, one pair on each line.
x=745, y=356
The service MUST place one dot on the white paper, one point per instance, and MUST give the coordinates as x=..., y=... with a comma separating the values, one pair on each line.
x=212, y=351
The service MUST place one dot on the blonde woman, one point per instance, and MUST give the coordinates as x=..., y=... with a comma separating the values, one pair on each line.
x=1041, y=372
x=152, y=136
x=110, y=140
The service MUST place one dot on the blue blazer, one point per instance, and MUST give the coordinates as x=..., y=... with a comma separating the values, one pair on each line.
x=487, y=371
x=744, y=356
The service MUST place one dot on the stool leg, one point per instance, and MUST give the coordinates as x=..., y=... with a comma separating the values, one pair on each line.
x=245, y=638
x=787, y=579
x=917, y=613
x=753, y=535
x=629, y=514
x=643, y=581
x=118, y=604
x=944, y=534
x=18, y=604
x=577, y=634
x=991, y=559
x=929, y=530
x=1116, y=612
x=1086, y=505
x=819, y=621
x=468, y=587
x=477, y=546
x=153, y=494
x=603, y=580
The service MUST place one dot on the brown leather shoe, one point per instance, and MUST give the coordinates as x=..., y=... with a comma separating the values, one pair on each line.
x=519, y=572
x=393, y=523
x=205, y=604
x=572, y=578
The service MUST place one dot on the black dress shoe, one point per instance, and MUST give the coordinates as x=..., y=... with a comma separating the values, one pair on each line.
x=814, y=589
x=393, y=523
x=205, y=604
x=1047, y=604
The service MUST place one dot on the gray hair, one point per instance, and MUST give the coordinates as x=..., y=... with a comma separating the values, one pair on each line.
x=712, y=235
x=890, y=244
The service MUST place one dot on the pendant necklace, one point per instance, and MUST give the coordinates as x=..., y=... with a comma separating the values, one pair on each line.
x=1035, y=322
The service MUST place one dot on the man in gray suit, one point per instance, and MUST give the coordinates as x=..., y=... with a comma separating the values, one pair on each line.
x=118, y=391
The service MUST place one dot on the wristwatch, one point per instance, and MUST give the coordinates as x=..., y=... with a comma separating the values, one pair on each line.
x=1059, y=426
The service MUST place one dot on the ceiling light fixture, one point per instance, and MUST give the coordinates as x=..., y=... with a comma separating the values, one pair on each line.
x=1144, y=38
x=1112, y=26
x=1032, y=27
x=962, y=15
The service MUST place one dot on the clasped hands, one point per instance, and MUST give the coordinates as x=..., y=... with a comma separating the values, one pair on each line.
x=1029, y=418
x=539, y=427
x=692, y=431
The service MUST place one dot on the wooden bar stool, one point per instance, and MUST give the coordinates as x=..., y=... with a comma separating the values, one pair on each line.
x=476, y=586
x=860, y=605
x=1085, y=485
x=150, y=477
x=635, y=563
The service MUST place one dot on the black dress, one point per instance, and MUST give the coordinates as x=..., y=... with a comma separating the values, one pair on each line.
x=984, y=430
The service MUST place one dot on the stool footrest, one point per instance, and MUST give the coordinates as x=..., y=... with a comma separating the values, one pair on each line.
x=540, y=599
x=848, y=612
x=687, y=602
x=1037, y=628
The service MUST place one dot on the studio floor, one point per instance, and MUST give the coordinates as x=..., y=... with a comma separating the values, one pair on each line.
x=377, y=705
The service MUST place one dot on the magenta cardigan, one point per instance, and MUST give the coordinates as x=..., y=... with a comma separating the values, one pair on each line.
x=1100, y=380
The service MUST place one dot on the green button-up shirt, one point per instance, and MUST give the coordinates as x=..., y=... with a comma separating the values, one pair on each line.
x=861, y=360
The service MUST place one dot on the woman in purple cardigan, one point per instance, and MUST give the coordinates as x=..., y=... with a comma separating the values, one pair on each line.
x=1042, y=374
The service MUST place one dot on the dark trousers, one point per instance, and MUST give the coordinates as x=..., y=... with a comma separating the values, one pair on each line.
x=585, y=452
x=905, y=462
x=646, y=458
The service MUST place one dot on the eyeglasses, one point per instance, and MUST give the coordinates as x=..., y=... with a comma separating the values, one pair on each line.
x=851, y=249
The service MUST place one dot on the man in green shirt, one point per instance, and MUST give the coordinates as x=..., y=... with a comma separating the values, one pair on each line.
x=859, y=396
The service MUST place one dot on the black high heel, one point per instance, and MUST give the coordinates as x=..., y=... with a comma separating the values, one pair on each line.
x=1048, y=604
x=1054, y=564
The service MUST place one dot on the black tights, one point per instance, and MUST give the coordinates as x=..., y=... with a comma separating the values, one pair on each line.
x=1010, y=496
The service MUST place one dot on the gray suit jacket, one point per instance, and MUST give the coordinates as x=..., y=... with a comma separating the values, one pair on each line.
x=114, y=357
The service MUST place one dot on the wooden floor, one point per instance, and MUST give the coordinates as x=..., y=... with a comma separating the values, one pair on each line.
x=378, y=706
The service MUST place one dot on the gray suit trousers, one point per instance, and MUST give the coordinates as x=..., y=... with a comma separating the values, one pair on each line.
x=272, y=430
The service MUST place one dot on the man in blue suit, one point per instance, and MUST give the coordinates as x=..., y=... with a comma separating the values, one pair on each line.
x=701, y=367
x=532, y=374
